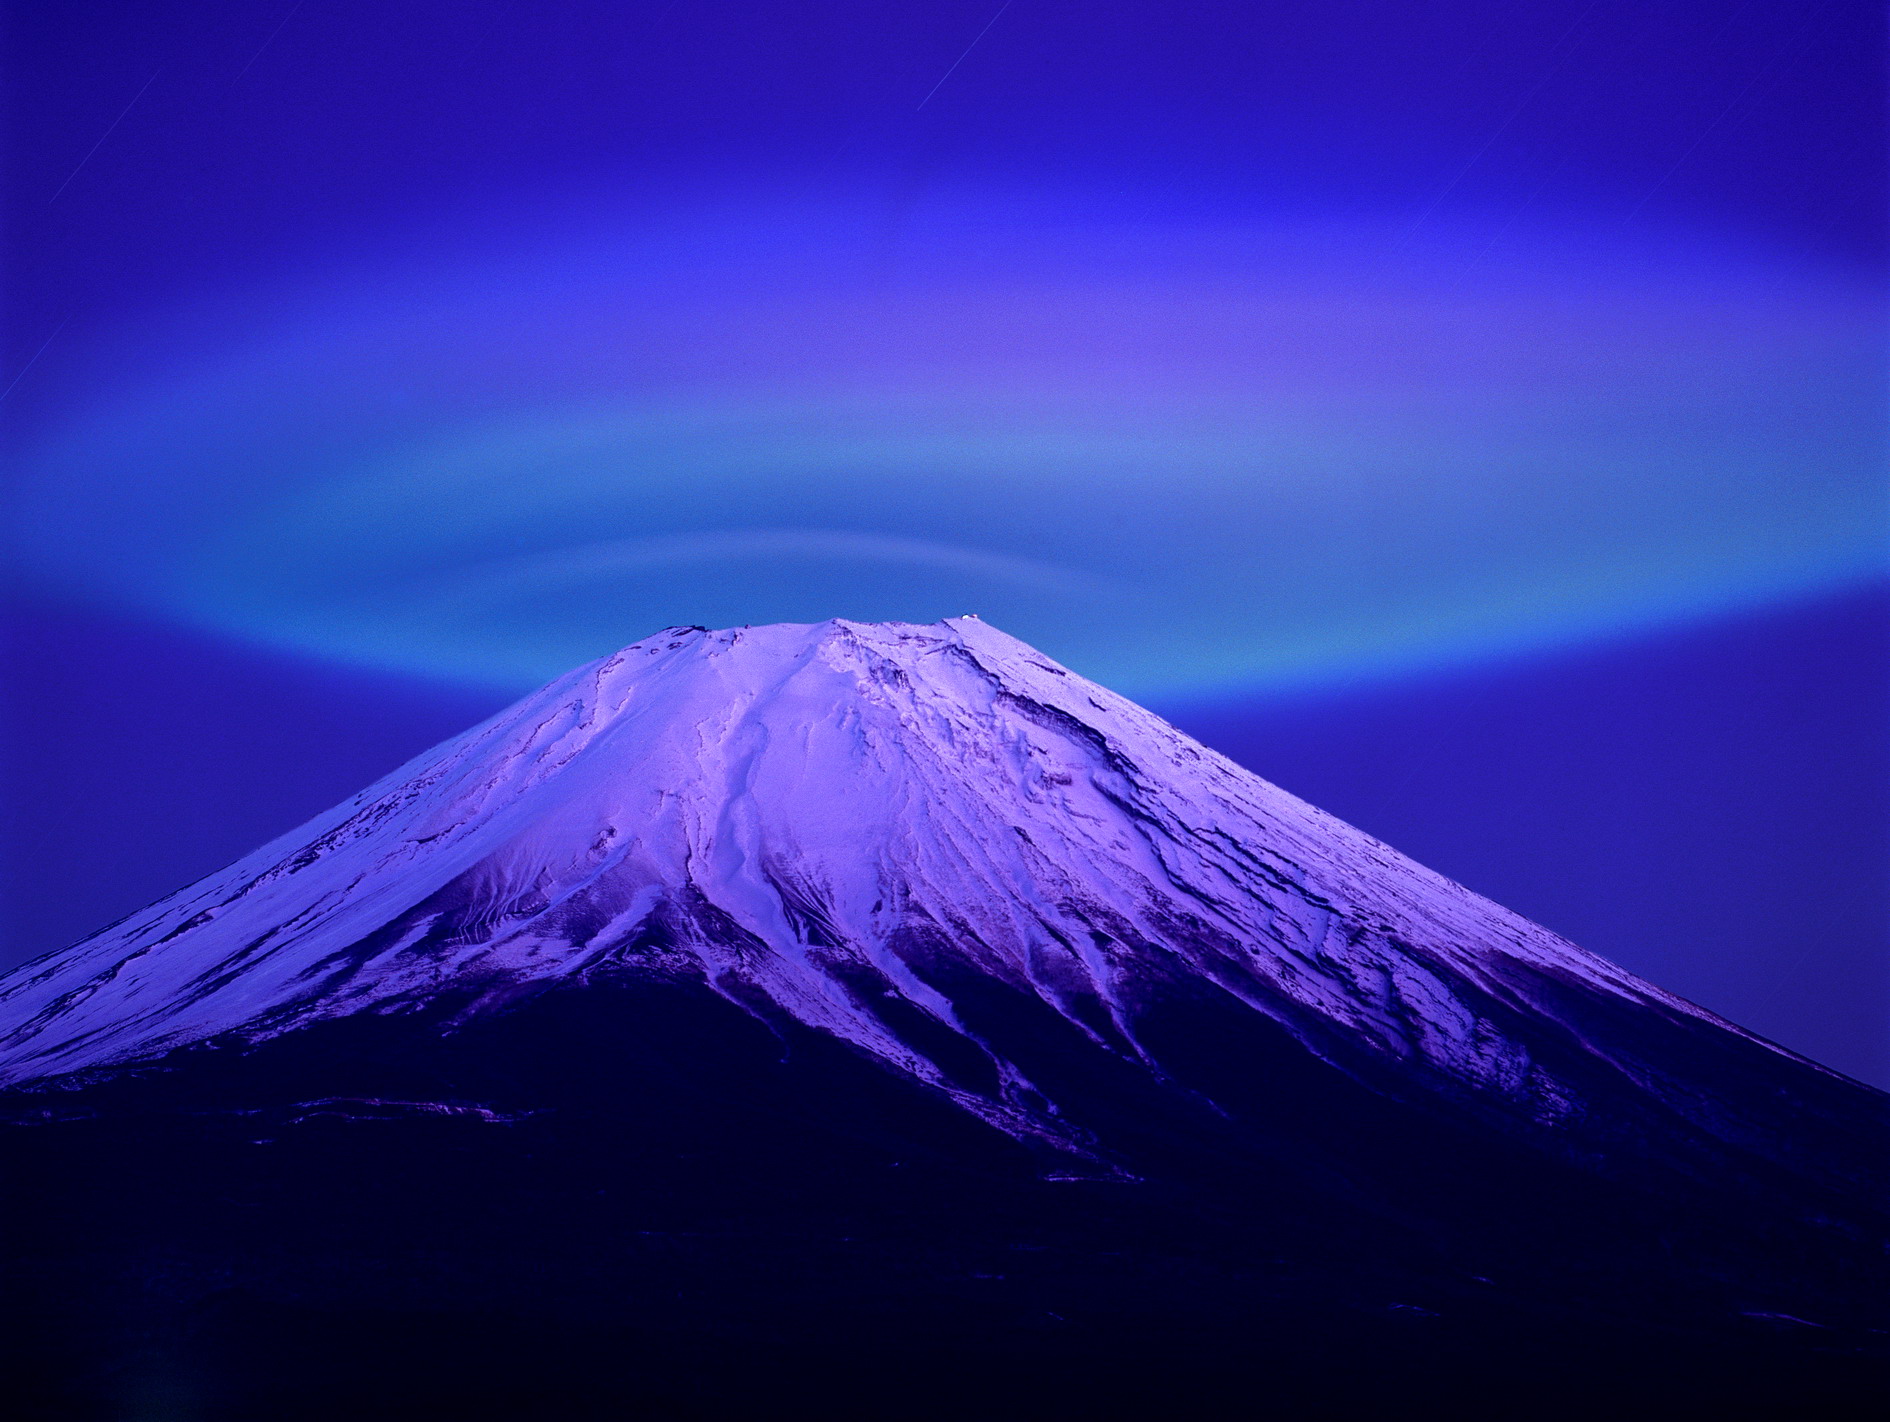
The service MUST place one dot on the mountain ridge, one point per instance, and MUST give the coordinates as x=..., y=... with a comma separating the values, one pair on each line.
x=829, y=990
x=486, y=798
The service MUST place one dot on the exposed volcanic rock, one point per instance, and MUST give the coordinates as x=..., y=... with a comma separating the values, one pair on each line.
x=789, y=984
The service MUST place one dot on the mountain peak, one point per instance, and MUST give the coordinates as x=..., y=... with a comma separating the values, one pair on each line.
x=898, y=961
x=832, y=822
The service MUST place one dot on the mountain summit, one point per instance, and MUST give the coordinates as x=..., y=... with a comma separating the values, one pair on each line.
x=815, y=820
x=913, y=923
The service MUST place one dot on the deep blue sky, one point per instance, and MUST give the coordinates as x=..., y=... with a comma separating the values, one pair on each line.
x=1468, y=415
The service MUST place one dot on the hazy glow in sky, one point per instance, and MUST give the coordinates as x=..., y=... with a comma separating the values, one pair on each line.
x=1179, y=451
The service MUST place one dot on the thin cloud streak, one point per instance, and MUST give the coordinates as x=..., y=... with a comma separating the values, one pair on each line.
x=102, y=137
x=967, y=54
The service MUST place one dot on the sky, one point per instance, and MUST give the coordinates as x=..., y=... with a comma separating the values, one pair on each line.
x=1469, y=416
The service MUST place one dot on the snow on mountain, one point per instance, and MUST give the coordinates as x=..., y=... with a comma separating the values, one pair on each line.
x=803, y=816
x=855, y=1020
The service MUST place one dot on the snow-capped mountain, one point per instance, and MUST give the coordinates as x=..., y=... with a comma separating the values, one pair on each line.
x=940, y=878
x=807, y=815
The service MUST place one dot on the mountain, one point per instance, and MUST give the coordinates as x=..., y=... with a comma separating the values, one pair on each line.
x=789, y=1013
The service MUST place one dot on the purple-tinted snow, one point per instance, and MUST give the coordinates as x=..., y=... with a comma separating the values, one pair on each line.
x=793, y=806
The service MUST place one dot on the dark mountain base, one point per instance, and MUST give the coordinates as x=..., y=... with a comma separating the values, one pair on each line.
x=236, y=1356
x=638, y=1201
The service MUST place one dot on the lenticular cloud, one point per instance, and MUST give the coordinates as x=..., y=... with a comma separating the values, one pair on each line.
x=1179, y=449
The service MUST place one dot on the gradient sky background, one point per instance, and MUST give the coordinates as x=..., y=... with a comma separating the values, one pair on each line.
x=1470, y=416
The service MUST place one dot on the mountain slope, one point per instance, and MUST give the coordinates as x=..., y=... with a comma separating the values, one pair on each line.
x=902, y=927
x=826, y=796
